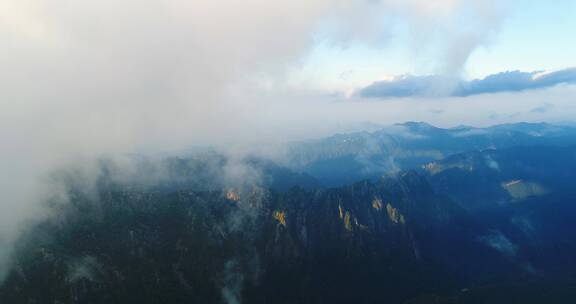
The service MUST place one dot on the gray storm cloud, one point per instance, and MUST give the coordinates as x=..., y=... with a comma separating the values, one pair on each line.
x=82, y=79
x=510, y=81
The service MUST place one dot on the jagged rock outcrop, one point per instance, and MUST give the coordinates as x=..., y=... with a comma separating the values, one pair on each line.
x=414, y=235
x=363, y=243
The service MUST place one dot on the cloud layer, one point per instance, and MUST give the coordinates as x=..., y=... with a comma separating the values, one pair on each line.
x=511, y=81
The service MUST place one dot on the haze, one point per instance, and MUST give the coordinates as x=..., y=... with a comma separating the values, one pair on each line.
x=86, y=79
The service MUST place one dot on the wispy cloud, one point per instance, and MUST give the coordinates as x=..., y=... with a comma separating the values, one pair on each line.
x=510, y=81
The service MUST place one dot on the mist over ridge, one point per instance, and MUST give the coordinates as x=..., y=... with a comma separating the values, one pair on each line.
x=272, y=134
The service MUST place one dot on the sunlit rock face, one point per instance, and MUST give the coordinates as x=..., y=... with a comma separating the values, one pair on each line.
x=394, y=215
x=280, y=216
x=436, y=167
x=519, y=189
x=232, y=195
x=377, y=204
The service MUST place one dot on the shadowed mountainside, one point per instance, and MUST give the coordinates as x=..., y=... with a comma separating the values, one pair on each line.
x=368, y=242
x=484, y=226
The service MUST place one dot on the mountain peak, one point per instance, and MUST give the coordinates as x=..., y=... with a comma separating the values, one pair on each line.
x=415, y=124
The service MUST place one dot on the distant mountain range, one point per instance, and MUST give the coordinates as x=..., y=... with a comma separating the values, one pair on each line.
x=346, y=158
x=408, y=214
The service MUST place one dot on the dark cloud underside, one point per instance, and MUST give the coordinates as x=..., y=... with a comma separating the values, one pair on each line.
x=510, y=81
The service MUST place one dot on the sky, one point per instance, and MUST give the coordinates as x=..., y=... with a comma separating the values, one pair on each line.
x=533, y=36
x=83, y=79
